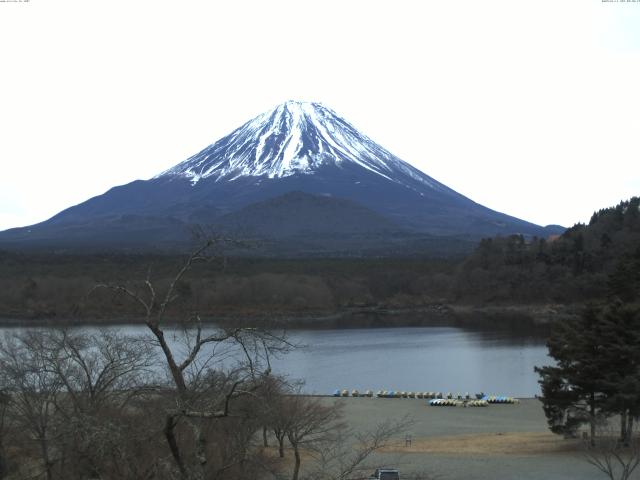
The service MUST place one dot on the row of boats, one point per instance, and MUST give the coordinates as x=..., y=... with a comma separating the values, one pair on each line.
x=454, y=402
x=482, y=402
x=437, y=398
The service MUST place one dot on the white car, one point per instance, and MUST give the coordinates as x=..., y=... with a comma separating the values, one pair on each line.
x=385, y=474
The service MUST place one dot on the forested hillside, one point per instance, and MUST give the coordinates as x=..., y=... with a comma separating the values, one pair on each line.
x=570, y=269
x=57, y=287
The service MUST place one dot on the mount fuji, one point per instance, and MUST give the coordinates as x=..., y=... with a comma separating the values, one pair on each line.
x=299, y=177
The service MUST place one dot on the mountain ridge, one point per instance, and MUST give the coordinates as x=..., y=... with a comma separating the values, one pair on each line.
x=295, y=147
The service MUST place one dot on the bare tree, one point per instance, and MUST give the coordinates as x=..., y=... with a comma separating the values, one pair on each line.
x=308, y=423
x=279, y=420
x=73, y=394
x=102, y=374
x=270, y=392
x=4, y=402
x=614, y=457
x=346, y=453
x=204, y=385
x=274, y=408
x=98, y=370
x=32, y=390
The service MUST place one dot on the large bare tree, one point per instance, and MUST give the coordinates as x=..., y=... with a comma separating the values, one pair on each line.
x=208, y=366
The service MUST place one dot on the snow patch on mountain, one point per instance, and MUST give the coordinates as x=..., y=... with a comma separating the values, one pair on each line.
x=295, y=138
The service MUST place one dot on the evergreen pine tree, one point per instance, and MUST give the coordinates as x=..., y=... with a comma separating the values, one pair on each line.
x=573, y=391
x=621, y=378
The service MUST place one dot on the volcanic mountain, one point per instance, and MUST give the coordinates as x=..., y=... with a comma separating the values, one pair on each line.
x=297, y=171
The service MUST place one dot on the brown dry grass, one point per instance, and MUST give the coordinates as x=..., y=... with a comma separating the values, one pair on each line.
x=272, y=452
x=519, y=443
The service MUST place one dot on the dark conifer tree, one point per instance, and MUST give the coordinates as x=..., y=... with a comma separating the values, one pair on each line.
x=622, y=377
x=573, y=390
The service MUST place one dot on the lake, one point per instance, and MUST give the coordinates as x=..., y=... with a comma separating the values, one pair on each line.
x=445, y=359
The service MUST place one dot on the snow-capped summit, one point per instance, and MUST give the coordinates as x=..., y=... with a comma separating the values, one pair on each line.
x=300, y=177
x=294, y=138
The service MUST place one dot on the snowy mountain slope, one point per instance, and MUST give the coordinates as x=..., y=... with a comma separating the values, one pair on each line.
x=296, y=147
x=296, y=138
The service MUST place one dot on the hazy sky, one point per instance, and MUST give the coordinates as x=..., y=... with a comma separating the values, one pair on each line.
x=528, y=107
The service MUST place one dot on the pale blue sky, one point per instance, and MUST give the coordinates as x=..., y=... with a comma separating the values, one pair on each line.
x=530, y=108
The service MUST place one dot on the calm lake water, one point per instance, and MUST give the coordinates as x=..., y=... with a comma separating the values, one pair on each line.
x=446, y=359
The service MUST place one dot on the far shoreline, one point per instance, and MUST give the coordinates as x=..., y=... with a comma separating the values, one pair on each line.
x=525, y=319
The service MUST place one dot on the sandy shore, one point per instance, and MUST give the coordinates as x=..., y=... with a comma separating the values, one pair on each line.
x=494, y=442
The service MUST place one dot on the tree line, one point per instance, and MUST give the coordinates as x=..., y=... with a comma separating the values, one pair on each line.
x=572, y=268
x=569, y=269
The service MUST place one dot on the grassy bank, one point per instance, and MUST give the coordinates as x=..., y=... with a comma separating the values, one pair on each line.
x=455, y=443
